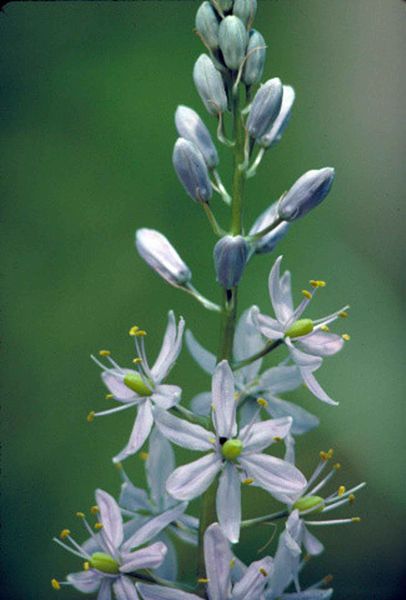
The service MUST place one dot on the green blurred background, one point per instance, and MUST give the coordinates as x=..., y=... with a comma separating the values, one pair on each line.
x=88, y=96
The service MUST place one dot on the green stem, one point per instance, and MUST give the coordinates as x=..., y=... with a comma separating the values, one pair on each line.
x=268, y=348
x=265, y=519
x=239, y=174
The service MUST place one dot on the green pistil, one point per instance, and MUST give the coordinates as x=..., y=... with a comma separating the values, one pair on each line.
x=232, y=449
x=104, y=563
x=135, y=382
x=300, y=328
x=308, y=502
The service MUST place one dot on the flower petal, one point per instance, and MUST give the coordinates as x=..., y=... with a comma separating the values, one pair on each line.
x=183, y=433
x=149, y=557
x=171, y=347
x=141, y=430
x=169, y=568
x=303, y=360
x=261, y=435
x=110, y=517
x=105, y=590
x=284, y=481
x=247, y=341
x=201, y=404
x=311, y=543
x=321, y=343
x=315, y=388
x=159, y=592
x=205, y=359
x=217, y=556
x=228, y=503
x=133, y=498
x=280, y=292
x=113, y=380
x=154, y=526
x=251, y=586
x=191, y=480
x=278, y=380
x=270, y=328
x=160, y=464
x=86, y=581
x=224, y=404
x=165, y=396
x=303, y=421
x=124, y=589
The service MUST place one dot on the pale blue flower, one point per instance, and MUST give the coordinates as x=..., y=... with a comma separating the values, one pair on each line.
x=274, y=134
x=236, y=456
x=143, y=387
x=308, y=341
x=222, y=582
x=306, y=193
x=190, y=126
x=265, y=108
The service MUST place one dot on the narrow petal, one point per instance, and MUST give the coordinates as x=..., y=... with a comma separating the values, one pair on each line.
x=149, y=557
x=303, y=421
x=86, y=581
x=166, y=396
x=142, y=427
x=270, y=328
x=251, y=586
x=315, y=388
x=113, y=380
x=158, y=592
x=124, y=589
x=205, y=359
x=223, y=400
x=159, y=465
x=133, y=498
x=311, y=543
x=169, y=568
x=217, y=556
x=201, y=404
x=171, y=348
x=247, y=342
x=183, y=433
x=105, y=590
x=278, y=380
x=284, y=481
x=321, y=343
x=261, y=435
x=154, y=526
x=110, y=517
x=191, y=480
x=228, y=503
x=308, y=361
x=280, y=293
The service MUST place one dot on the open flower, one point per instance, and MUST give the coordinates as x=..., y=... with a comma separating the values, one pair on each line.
x=143, y=387
x=308, y=341
x=236, y=455
x=222, y=582
x=108, y=556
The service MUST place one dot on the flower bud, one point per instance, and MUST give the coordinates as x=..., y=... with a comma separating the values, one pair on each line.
x=207, y=25
x=161, y=256
x=230, y=257
x=271, y=239
x=307, y=193
x=254, y=64
x=233, y=40
x=245, y=10
x=265, y=108
x=191, y=127
x=191, y=169
x=209, y=85
x=274, y=134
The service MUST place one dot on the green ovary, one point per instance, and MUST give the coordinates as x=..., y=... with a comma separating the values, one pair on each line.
x=232, y=449
x=135, y=382
x=309, y=502
x=300, y=328
x=104, y=563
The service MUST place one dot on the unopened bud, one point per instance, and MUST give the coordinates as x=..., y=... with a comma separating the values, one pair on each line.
x=209, y=85
x=245, y=10
x=268, y=242
x=274, y=134
x=207, y=25
x=230, y=257
x=233, y=40
x=191, y=169
x=307, y=193
x=161, y=256
x=254, y=64
x=191, y=127
x=265, y=108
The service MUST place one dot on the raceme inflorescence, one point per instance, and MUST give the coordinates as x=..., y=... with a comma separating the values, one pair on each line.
x=130, y=549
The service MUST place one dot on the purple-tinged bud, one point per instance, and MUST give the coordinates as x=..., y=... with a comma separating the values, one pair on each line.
x=233, y=40
x=230, y=257
x=274, y=134
x=192, y=171
x=245, y=10
x=265, y=108
x=254, y=64
x=161, y=256
x=307, y=193
x=271, y=239
x=209, y=85
x=207, y=25
x=191, y=127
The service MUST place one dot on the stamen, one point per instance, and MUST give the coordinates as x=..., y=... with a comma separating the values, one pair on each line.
x=80, y=515
x=351, y=498
x=64, y=534
x=86, y=565
x=263, y=572
x=327, y=579
x=98, y=525
x=144, y=455
x=262, y=402
x=110, y=411
x=316, y=283
x=212, y=440
x=133, y=330
x=325, y=328
x=346, y=337
x=202, y=580
x=94, y=509
x=341, y=490
x=326, y=455
x=137, y=360
x=307, y=294
x=343, y=314
x=90, y=417
x=104, y=352
x=337, y=466
x=248, y=481
x=109, y=397
x=323, y=482
x=55, y=584
x=140, y=333
x=232, y=563
x=277, y=439
x=334, y=522
x=81, y=554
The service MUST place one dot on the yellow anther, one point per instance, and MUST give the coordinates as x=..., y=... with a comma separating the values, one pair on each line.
x=94, y=509
x=118, y=466
x=307, y=557
x=140, y=333
x=316, y=283
x=202, y=580
x=262, y=402
x=90, y=417
x=236, y=395
x=343, y=314
x=337, y=466
x=55, y=584
x=137, y=360
x=328, y=579
x=263, y=572
x=212, y=440
x=307, y=294
x=248, y=481
x=133, y=330
x=232, y=563
x=346, y=337
x=86, y=565
x=351, y=498
x=109, y=397
x=98, y=525
x=144, y=455
x=213, y=407
x=277, y=438
x=341, y=490
x=104, y=353
x=80, y=515
x=64, y=534
x=356, y=519
x=326, y=455
x=325, y=328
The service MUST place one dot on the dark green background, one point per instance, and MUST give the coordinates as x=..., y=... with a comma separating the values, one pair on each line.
x=88, y=96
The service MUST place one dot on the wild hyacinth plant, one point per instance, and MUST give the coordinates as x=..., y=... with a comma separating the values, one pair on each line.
x=129, y=551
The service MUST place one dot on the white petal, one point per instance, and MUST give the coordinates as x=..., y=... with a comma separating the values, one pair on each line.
x=86, y=581
x=224, y=402
x=261, y=435
x=270, y=328
x=183, y=433
x=158, y=592
x=171, y=348
x=217, y=556
x=321, y=343
x=308, y=361
x=149, y=557
x=141, y=430
x=160, y=464
x=278, y=380
x=247, y=342
x=110, y=517
x=105, y=590
x=191, y=480
x=251, y=586
x=124, y=589
x=228, y=503
x=303, y=421
x=113, y=380
x=315, y=388
x=311, y=543
x=284, y=481
x=280, y=293
x=205, y=359
x=133, y=498
x=201, y=404
x=165, y=396
x=154, y=526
